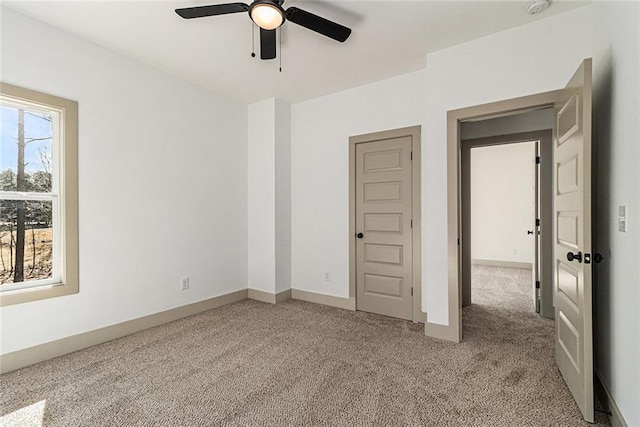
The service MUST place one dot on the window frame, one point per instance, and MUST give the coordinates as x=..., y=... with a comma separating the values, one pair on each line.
x=67, y=198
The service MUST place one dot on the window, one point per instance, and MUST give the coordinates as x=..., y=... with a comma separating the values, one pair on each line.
x=38, y=196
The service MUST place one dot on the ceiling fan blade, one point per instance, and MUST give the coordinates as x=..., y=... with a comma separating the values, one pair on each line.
x=212, y=10
x=318, y=24
x=267, y=44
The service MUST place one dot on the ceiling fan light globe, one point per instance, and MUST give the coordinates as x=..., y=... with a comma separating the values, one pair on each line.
x=267, y=16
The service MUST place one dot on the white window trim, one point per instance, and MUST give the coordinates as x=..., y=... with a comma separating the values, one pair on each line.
x=65, y=281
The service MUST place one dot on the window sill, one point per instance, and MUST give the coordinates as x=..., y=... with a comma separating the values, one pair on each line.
x=20, y=296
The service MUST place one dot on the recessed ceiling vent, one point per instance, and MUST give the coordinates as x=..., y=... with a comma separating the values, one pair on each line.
x=537, y=6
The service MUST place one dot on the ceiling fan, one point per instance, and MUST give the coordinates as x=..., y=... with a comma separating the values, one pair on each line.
x=269, y=15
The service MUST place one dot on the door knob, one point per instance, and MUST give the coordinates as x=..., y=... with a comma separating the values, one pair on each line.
x=598, y=258
x=529, y=231
x=571, y=256
x=359, y=235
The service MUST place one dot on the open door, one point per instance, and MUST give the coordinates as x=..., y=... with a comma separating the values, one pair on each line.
x=535, y=272
x=572, y=201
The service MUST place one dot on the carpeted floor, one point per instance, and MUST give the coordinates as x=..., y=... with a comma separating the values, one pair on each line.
x=301, y=364
x=500, y=287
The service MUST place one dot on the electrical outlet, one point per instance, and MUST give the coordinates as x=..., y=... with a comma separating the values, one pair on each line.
x=184, y=283
x=327, y=276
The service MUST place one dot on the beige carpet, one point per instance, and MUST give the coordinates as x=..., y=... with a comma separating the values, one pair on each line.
x=301, y=364
x=501, y=287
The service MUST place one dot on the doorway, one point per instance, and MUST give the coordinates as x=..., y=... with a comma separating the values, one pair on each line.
x=571, y=218
x=384, y=200
x=506, y=213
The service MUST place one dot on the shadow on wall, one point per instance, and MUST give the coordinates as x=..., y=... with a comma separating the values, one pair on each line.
x=601, y=215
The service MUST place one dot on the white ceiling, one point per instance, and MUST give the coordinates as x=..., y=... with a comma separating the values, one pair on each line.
x=389, y=38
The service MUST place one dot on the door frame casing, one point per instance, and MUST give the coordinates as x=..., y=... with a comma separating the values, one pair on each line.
x=545, y=195
x=415, y=133
x=453, y=330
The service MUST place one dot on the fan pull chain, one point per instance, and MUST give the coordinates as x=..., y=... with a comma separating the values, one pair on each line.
x=253, y=40
x=280, y=42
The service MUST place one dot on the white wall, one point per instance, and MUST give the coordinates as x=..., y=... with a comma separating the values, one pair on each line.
x=162, y=185
x=319, y=155
x=261, y=196
x=283, y=195
x=269, y=196
x=534, y=58
x=617, y=161
x=502, y=202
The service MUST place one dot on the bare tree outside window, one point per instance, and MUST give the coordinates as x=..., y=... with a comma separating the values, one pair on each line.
x=26, y=250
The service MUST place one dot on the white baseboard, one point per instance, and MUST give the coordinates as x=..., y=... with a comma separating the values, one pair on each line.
x=268, y=297
x=345, y=303
x=498, y=263
x=616, y=418
x=28, y=356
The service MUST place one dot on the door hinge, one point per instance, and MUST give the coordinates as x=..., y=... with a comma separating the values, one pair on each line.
x=537, y=284
x=411, y=291
x=537, y=160
x=458, y=241
x=537, y=222
x=412, y=155
x=411, y=223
